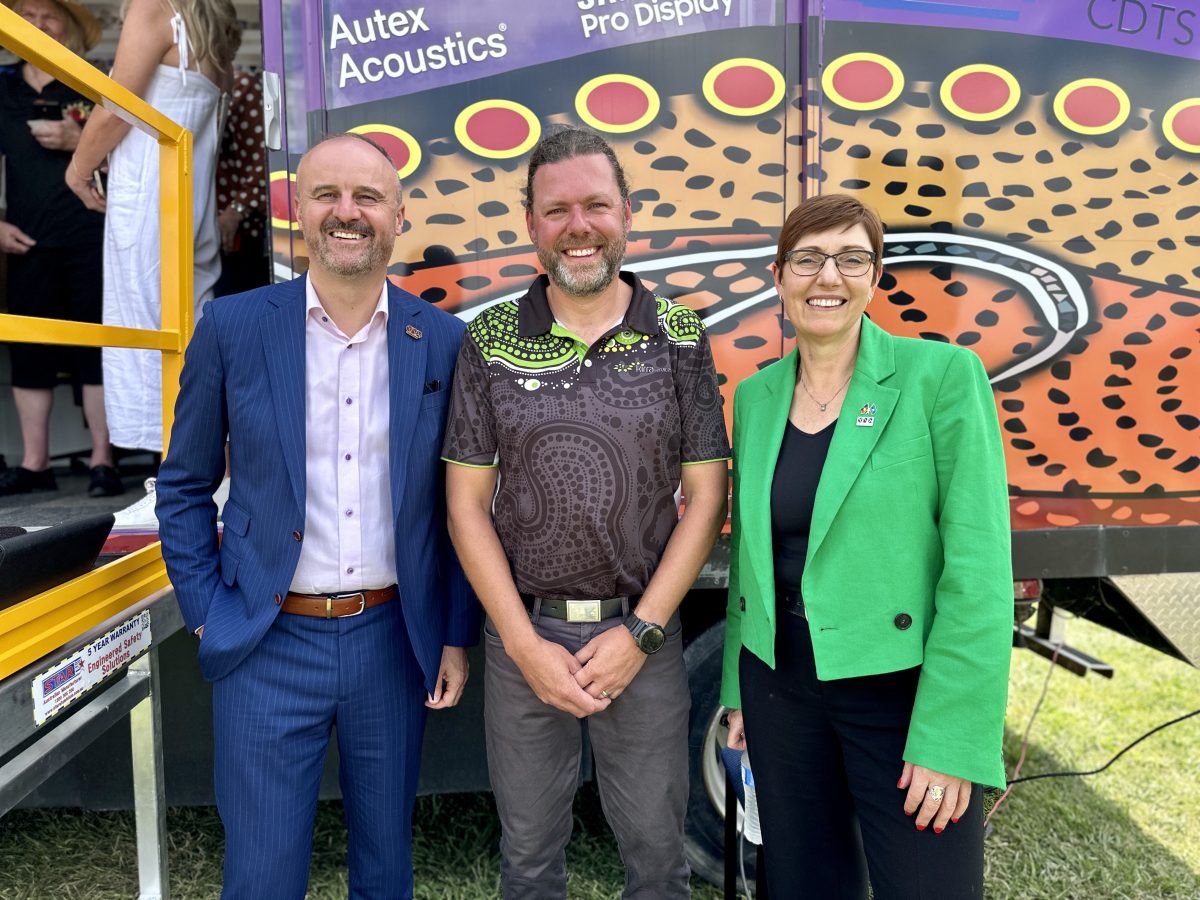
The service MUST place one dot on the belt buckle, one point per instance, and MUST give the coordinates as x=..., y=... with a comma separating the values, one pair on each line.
x=362, y=604
x=583, y=610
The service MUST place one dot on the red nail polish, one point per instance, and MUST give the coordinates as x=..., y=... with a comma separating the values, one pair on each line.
x=954, y=819
x=937, y=830
x=907, y=813
x=920, y=827
x=900, y=783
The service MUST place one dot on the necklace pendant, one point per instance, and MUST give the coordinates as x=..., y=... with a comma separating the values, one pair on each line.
x=823, y=405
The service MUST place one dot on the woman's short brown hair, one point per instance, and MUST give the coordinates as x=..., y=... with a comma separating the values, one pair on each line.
x=825, y=213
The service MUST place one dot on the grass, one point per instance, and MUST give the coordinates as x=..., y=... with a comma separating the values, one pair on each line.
x=1131, y=832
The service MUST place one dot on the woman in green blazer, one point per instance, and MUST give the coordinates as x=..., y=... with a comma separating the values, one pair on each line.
x=870, y=604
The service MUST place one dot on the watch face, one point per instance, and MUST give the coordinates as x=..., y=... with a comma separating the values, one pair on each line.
x=652, y=639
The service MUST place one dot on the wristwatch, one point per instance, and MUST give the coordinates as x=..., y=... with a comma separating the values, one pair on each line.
x=649, y=637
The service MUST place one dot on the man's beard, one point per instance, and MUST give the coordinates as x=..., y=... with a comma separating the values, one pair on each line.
x=589, y=281
x=378, y=253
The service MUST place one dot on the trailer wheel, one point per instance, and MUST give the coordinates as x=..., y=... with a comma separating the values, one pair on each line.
x=704, y=836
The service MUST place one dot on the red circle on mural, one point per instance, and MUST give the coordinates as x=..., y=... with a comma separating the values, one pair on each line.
x=1092, y=106
x=617, y=102
x=281, y=201
x=980, y=93
x=863, y=81
x=1187, y=125
x=744, y=87
x=396, y=149
x=497, y=128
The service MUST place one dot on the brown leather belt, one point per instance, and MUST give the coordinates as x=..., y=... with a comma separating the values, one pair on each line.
x=336, y=606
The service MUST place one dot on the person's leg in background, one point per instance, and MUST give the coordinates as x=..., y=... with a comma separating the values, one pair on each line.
x=34, y=371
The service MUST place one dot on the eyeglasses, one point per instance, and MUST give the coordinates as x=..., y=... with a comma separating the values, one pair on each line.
x=848, y=262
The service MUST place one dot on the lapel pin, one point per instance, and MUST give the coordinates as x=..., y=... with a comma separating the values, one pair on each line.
x=413, y=332
x=866, y=416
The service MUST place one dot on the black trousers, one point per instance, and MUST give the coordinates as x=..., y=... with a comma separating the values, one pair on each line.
x=826, y=756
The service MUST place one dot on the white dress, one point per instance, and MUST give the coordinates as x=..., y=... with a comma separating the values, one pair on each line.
x=132, y=269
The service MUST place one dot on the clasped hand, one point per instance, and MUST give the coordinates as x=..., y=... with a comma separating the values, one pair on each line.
x=585, y=682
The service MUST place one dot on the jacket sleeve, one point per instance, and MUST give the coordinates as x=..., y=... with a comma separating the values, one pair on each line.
x=963, y=687
x=731, y=694
x=191, y=473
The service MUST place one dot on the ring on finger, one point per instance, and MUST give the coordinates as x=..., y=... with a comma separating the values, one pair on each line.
x=936, y=792
x=604, y=694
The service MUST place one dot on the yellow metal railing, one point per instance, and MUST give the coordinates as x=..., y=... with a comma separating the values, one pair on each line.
x=43, y=623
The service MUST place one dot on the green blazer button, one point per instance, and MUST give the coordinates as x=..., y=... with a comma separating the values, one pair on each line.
x=903, y=621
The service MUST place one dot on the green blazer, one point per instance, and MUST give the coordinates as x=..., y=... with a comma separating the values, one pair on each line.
x=909, y=561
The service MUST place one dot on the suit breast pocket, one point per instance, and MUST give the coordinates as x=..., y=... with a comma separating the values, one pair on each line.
x=435, y=402
x=886, y=455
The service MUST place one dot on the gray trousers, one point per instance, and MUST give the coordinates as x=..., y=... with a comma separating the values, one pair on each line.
x=640, y=746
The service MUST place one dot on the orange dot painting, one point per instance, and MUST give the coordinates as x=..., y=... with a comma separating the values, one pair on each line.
x=980, y=93
x=743, y=87
x=401, y=147
x=1092, y=106
x=497, y=129
x=1181, y=125
x=280, y=199
x=617, y=103
x=862, y=81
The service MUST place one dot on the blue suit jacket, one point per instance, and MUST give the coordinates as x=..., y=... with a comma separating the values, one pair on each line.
x=244, y=378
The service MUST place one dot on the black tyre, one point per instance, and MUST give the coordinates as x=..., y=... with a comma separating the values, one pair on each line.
x=705, y=830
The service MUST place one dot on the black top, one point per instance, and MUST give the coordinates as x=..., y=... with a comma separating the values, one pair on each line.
x=39, y=201
x=793, y=493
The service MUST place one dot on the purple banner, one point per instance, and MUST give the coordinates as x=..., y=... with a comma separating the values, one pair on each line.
x=373, y=52
x=1171, y=28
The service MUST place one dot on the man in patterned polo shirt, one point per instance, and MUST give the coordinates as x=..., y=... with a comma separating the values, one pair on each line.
x=590, y=401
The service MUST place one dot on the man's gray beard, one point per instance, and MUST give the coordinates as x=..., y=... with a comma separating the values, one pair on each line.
x=585, y=285
x=378, y=255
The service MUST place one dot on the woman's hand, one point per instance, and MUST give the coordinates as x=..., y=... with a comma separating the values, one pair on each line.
x=56, y=134
x=84, y=187
x=923, y=797
x=737, y=731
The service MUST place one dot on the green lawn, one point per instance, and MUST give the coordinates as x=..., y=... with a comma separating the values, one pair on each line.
x=1131, y=832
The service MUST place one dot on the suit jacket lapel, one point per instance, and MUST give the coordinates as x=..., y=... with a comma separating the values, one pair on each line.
x=852, y=443
x=757, y=453
x=408, y=349
x=282, y=333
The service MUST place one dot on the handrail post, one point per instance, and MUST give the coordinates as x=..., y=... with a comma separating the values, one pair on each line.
x=149, y=785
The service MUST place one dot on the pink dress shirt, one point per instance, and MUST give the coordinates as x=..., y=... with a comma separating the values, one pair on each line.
x=349, y=537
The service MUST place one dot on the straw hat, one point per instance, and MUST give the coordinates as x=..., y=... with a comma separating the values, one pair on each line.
x=84, y=18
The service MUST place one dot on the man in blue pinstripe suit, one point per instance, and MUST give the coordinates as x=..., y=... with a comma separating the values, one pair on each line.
x=334, y=597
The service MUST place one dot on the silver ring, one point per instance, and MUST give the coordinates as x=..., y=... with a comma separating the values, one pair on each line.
x=604, y=694
x=936, y=792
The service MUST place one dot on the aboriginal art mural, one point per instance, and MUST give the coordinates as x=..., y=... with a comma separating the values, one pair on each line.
x=1038, y=177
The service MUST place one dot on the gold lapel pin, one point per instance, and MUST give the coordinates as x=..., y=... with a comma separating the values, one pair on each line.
x=413, y=332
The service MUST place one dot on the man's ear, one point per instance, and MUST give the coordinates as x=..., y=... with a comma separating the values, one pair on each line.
x=400, y=220
x=530, y=227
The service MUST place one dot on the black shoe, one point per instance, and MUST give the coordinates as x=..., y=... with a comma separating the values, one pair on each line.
x=106, y=482
x=20, y=480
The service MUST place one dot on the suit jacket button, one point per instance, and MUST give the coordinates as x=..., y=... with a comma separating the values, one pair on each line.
x=742, y=603
x=297, y=536
x=903, y=621
x=278, y=599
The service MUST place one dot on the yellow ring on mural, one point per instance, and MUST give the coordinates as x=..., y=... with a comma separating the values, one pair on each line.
x=710, y=80
x=460, y=129
x=1014, y=92
x=276, y=222
x=652, y=103
x=836, y=66
x=1168, y=125
x=414, y=149
x=1060, y=104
